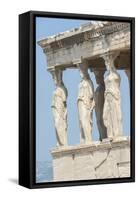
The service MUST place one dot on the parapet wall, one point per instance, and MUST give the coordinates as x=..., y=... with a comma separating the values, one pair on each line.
x=97, y=160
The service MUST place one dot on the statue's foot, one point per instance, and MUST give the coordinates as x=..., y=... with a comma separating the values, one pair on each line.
x=88, y=142
x=108, y=139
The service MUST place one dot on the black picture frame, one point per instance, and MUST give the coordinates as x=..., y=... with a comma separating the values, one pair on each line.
x=27, y=98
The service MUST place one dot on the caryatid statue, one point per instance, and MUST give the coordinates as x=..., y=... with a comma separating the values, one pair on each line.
x=85, y=104
x=99, y=103
x=59, y=108
x=112, y=115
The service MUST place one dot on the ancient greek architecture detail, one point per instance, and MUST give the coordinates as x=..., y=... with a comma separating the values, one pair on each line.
x=59, y=108
x=99, y=103
x=112, y=115
x=85, y=104
x=102, y=48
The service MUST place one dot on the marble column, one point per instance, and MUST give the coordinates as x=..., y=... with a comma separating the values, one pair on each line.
x=112, y=115
x=85, y=104
x=59, y=108
x=99, y=103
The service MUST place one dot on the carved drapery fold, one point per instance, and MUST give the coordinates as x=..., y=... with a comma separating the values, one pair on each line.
x=59, y=108
x=112, y=115
x=85, y=104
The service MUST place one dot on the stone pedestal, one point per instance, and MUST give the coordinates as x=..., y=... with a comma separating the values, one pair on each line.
x=98, y=160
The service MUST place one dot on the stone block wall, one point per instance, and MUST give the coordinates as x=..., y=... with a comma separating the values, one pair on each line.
x=97, y=160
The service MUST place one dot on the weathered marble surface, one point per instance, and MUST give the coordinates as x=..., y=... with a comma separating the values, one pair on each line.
x=59, y=108
x=94, y=161
x=85, y=103
x=112, y=114
x=88, y=42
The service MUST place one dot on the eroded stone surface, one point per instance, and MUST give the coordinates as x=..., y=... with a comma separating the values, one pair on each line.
x=112, y=115
x=85, y=103
x=88, y=41
x=59, y=108
x=93, y=161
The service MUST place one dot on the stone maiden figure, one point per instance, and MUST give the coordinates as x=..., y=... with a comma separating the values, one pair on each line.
x=85, y=104
x=99, y=103
x=112, y=116
x=59, y=108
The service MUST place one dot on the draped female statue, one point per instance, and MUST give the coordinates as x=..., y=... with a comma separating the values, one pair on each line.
x=112, y=115
x=59, y=109
x=85, y=106
x=99, y=103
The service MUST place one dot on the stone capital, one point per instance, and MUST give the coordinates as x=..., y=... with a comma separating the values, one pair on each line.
x=81, y=63
x=109, y=59
x=57, y=76
x=99, y=75
x=83, y=67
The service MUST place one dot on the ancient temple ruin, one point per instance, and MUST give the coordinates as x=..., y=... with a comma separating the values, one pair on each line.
x=99, y=47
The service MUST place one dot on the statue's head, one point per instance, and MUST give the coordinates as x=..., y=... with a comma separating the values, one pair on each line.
x=83, y=72
x=57, y=77
x=84, y=75
x=109, y=61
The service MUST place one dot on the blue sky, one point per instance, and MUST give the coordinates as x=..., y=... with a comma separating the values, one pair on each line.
x=45, y=132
